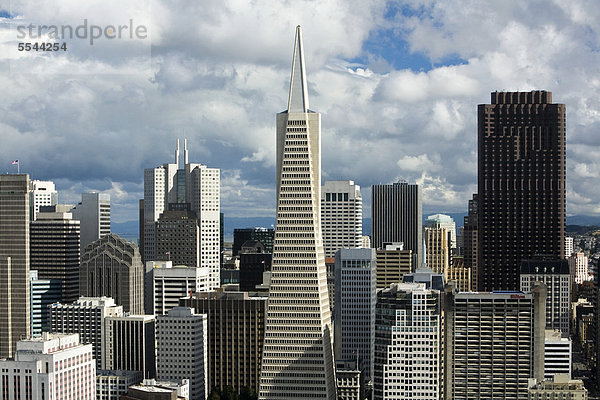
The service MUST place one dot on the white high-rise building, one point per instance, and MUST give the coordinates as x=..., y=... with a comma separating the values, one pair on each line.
x=41, y=193
x=170, y=283
x=94, y=214
x=568, y=246
x=557, y=354
x=50, y=367
x=86, y=317
x=297, y=359
x=407, y=343
x=182, y=349
x=187, y=187
x=555, y=274
x=578, y=263
x=341, y=216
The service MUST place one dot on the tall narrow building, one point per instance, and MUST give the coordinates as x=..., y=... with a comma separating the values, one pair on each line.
x=341, y=216
x=396, y=216
x=93, y=212
x=297, y=357
x=521, y=181
x=15, y=310
x=182, y=186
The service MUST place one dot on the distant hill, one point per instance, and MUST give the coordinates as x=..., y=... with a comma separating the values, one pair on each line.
x=129, y=229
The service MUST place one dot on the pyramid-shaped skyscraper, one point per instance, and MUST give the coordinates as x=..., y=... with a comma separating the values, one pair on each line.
x=297, y=357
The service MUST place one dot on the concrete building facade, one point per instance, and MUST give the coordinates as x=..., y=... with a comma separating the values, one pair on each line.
x=554, y=273
x=355, y=283
x=408, y=339
x=112, y=267
x=93, y=213
x=170, y=283
x=86, y=317
x=182, y=351
x=494, y=343
x=392, y=263
x=53, y=366
x=15, y=296
x=341, y=216
x=41, y=193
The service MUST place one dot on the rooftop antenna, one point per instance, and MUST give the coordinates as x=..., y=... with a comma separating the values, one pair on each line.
x=177, y=154
x=185, y=152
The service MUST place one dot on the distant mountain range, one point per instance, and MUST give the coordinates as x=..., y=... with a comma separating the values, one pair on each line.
x=129, y=229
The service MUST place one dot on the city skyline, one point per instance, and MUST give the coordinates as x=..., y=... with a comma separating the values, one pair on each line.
x=406, y=65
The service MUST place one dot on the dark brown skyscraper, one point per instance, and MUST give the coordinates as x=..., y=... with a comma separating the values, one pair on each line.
x=521, y=179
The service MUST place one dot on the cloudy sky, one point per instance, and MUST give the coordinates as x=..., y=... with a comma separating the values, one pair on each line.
x=397, y=84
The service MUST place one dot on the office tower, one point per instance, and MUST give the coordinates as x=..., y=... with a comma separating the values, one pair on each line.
x=347, y=375
x=396, y=216
x=54, y=366
x=170, y=283
x=254, y=261
x=15, y=321
x=54, y=248
x=578, y=263
x=178, y=238
x=86, y=317
x=568, y=246
x=150, y=389
x=43, y=293
x=184, y=187
x=263, y=235
x=355, y=307
x=94, y=214
x=41, y=193
x=557, y=354
x=341, y=216
x=182, y=349
x=392, y=262
x=298, y=354
x=408, y=343
x=470, y=238
x=426, y=276
x=437, y=249
x=495, y=342
x=554, y=273
x=461, y=275
x=130, y=343
x=112, y=267
x=443, y=221
x=521, y=180
x=110, y=385
x=561, y=387
x=236, y=327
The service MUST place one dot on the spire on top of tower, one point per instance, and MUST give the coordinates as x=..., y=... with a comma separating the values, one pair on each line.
x=298, y=101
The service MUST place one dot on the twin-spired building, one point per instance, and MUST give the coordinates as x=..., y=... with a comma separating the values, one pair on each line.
x=297, y=357
x=187, y=197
